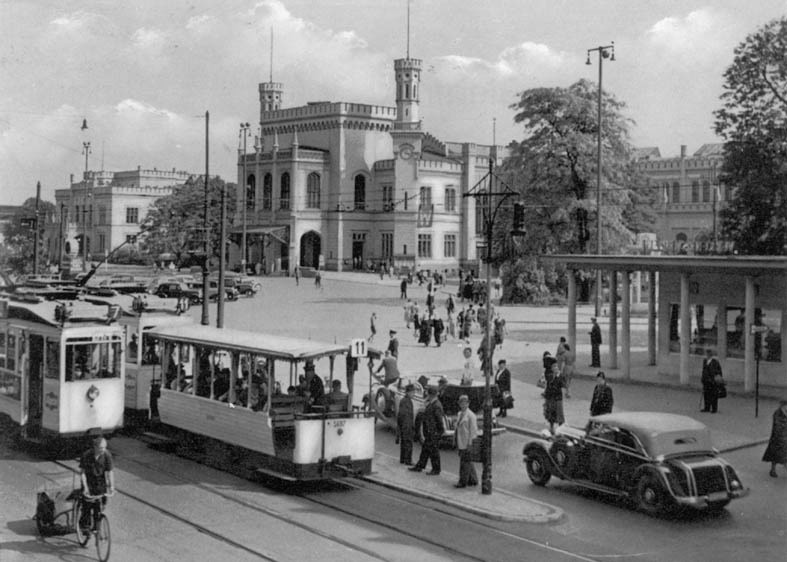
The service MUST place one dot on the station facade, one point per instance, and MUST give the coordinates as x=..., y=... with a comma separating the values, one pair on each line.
x=736, y=306
x=345, y=186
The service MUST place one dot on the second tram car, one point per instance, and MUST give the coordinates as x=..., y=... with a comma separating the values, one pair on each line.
x=238, y=398
x=61, y=367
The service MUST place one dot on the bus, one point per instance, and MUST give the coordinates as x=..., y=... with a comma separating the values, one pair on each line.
x=62, y=373
x=238, y=400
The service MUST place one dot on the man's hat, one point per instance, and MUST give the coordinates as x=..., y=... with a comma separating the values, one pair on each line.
x=409, y=387
x=423, y=380
x=602, y=375
x=392, y=332
x=592, y=318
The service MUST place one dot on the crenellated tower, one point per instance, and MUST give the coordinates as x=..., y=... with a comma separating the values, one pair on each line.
x=408, y=79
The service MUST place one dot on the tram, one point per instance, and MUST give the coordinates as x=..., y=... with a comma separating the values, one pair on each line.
x=236, y=399
x=138, y=315
x=61, y=367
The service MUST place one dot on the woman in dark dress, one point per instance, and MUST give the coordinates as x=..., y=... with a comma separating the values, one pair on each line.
x=776, y=453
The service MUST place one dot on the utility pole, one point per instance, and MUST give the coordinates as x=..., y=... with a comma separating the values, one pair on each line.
x=244, y=132
x=222, y=254
x=36, y=235
x=86, y=151
x=205, y=320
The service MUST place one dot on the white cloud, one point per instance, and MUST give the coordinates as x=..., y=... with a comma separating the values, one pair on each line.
x=697, y=36
x=149, y=39
x=524, y=58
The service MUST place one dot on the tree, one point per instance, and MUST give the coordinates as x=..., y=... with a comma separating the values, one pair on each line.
x=175, y=224
x=556, y=168
x=753, y=123
x=19, y=238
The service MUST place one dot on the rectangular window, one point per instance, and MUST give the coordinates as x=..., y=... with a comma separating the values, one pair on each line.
x=10, y=385
x=52, y=359
x=10, y=358
x=425, y=199
x=387, y=245
x=388, y=203
x=132, y=215
x=2, y=350
x=102, y=215
x=450, y=200
x=92, y=360
x=131, y=238
x=449, y=246
x=424, y=245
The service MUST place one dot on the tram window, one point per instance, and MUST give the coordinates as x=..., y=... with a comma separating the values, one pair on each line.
x=52, y=359
x=2, y=349
x=92, y=360
x=150, y=350
x=10, y=385
x=10, y=360
x=132, y=349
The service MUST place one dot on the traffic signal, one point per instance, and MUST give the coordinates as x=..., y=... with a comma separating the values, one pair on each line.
x=519, y=219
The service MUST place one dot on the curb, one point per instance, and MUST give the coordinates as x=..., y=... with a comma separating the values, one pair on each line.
x=554, y=513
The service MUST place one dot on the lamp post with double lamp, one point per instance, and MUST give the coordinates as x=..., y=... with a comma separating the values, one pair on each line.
x=491, y=202
x=86, y=151
x=244, y=134
x=604, y=52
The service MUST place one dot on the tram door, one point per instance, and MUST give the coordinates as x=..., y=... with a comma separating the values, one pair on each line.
x=35, y=387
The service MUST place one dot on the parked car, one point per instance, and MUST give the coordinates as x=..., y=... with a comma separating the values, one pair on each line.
x=176, y=289
x=244, y=285
x=657, y=460
x=230, y=292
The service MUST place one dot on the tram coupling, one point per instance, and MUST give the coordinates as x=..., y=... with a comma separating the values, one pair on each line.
x=342, y=464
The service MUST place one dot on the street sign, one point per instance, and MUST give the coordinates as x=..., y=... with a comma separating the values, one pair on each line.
x=27, y=222
x=358, y=348
x=759, y=329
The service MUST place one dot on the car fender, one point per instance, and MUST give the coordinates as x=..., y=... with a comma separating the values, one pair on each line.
x=538, y=446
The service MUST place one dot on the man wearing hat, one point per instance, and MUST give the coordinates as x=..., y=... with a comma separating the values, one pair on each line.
x=433, y=429
x=390, y=367
x=595, y=344
x=393, y=344
x=405, y=426
x=315, y=391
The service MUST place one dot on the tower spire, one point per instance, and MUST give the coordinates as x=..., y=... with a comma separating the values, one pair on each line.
x=271, y=65
x=408, y=29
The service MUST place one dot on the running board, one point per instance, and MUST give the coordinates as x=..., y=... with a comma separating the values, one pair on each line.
x=157, y=441
x=276, y=475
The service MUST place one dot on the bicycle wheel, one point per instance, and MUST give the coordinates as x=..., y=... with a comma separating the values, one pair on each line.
x=103, y=538
x=76, y=513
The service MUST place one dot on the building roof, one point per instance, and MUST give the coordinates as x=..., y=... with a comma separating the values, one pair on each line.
x=710, y=150
x=741, y=265
x=647, y=153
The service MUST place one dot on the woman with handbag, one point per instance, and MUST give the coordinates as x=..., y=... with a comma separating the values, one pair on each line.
x=503, y=382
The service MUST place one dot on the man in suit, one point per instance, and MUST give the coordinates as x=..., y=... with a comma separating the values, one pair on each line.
x=433, y=429
x=595, y=343
x=405, y=426
x=466, y=431
x=711, y=368
x=393, y=344
x=503, y=382
x=602, y=400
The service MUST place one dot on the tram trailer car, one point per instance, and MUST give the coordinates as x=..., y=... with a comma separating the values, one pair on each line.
x=62, y=373
x=220, y=394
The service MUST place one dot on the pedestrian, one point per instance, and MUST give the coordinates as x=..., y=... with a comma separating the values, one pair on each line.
x=297, y=273
x=393, y=344
x=602, y=400
x=425, y=333
x=433, y=429
x=408, y=313
x=429, y=299
x=499, y=331
x=403, y=289
x=711, y=377
x=484, y=358
x=465, y=432
x=438, y=327
x=405, y=425
x=776, y=453
x=595, y=343
x=470, y=318
x=503, y=382
x=450, y=304
x=390, y=365
x=416, y=319
x=560, y=354
x=553, y=398
x=470, y=367
x=451, y=326
x=569, y=367
x=372, y=327
x=97, y=477
x=318, y=280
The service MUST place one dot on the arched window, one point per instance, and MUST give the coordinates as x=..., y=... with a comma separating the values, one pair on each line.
x=284, y=191
x=695, y=191
x=675, y=192
x=706, y=191
x=407, y=90
x=251, y=191
x=360, y=192
x=313, y=191
x=267, y=192
x=480, y=203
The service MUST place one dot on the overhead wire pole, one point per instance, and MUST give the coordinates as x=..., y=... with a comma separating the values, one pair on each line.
x=490, y=210
x=86, y=151
x=205, y=320
x=36, y=235
x=603, y=52
x=244, y=131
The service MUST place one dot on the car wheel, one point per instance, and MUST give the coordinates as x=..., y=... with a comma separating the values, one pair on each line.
x=257, y=288
x=382, y=407
x=650, y=495
x=538, y=468
x=565, y=457
x=195, y=300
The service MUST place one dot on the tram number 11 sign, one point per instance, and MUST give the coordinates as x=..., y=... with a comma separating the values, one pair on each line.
x=358, y=348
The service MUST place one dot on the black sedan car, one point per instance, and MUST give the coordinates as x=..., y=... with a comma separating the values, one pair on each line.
x=658, y=460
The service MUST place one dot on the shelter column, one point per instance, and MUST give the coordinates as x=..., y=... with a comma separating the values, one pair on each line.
x=613, y=319
x=625, y=326
x=748, y=352
x=636, y=297
x=721, y=330
x=652, y=315
x=572, y=310
x=685, y=328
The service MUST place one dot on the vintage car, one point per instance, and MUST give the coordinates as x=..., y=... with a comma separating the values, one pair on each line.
x=385, y=403
x=659, y=461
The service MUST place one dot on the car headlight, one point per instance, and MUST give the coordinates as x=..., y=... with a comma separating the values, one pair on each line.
x=732, y=478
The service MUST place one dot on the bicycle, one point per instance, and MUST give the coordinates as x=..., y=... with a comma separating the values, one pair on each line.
x=99, y=524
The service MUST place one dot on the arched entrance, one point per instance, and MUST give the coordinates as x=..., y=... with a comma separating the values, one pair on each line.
x=311, y=247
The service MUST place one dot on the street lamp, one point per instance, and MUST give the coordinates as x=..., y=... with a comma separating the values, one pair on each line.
x=244, y=133
x=490, y=209
x=604, y=52
x=86, y=151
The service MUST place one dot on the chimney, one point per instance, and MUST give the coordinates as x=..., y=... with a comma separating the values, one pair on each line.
x=683, y=151
x=71, y=181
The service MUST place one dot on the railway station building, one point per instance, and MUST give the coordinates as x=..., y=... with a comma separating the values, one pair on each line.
x=344, y=186
x=733, y=305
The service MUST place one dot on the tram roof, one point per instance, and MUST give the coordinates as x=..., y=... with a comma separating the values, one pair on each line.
x=279, y=347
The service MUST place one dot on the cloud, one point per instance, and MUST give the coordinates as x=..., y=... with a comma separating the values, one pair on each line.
x=149, y=39
x=698, y=36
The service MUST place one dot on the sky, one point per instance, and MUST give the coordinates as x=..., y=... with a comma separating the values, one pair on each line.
x=144, y=73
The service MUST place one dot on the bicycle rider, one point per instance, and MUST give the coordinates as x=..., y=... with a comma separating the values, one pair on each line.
x=97, y=478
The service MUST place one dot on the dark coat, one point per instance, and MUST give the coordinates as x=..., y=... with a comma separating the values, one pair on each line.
x=602, y=400
x=393, y=347
x=711, y=368
x=432, y=422
x=595, y=335
x=777, y=446
x=405, y=420
x=554, y=387
x=316, y=389
x=503, y=380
